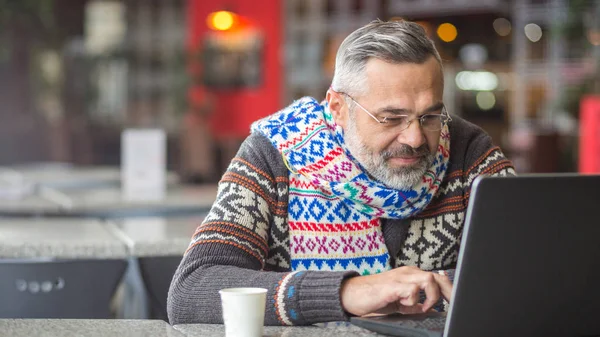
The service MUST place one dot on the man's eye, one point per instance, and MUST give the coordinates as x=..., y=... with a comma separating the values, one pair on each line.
x=395, y=120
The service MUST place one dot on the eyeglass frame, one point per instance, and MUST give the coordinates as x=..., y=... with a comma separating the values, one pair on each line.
x=445, y=118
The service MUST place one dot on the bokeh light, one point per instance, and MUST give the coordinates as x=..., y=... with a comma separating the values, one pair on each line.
x=533, y=32
x=447, y=32
x=476, y=80
x=502, y=26
x=485, y=100
x=594, y=37
x=221, y=20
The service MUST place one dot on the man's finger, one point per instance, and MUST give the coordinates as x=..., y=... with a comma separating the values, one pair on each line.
x=432, y=293
x=415, y=309
x=408, y=294
x=445, y=286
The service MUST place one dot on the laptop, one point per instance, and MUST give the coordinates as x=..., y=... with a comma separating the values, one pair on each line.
x=529, y=263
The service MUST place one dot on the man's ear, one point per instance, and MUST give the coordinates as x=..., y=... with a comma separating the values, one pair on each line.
x=337, y=107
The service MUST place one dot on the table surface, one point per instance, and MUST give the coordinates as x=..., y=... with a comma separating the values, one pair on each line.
x=16, y=195
x=156, y=236
x=73, y=177
x=108, y=202
x=330, y=329
x=117, y=327
x=30, y=204
x=60, y=189
x=59, y=238
x=201, y=196
x=85, y=327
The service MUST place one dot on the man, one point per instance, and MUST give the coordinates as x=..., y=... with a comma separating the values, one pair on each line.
x=349, y=207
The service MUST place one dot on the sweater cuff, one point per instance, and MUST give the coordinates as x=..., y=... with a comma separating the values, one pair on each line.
x=319, y=296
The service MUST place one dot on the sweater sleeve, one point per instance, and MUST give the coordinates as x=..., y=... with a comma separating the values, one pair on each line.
x=230, y=247
x=483, y=158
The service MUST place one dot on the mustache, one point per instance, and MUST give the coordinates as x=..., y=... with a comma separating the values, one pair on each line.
x=406, y=151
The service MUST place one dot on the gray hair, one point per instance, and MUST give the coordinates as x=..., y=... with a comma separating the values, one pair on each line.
x=392, y=41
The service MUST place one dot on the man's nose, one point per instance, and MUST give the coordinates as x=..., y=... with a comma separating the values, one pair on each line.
x=413, y=135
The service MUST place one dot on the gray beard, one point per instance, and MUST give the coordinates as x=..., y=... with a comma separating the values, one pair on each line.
x=399, y=178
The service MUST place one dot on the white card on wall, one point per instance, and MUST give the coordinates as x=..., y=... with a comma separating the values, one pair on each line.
x=143, y=164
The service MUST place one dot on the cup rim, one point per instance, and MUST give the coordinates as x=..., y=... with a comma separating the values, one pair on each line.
x=243, y=291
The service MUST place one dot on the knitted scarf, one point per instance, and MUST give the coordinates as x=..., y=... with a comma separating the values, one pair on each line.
x=334, y=207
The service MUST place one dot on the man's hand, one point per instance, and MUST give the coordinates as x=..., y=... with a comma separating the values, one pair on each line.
x=396, y=290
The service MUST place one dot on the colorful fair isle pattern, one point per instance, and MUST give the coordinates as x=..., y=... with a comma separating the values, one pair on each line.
x=334, y=208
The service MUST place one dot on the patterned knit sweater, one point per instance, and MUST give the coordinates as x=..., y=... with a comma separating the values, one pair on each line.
x=244, y=240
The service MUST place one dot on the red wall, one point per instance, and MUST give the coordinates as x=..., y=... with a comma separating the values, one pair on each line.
x=589, y=135
x=236, y=109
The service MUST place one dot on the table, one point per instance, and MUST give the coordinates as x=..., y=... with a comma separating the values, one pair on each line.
x=65, y=176
x=20, y=198
x=41, y=190
x=58, y=268
x=157, y=244
x=330, y=329
x=119, y=327
x=30, y=205
x=57, y=238
x=108, y=203
x=85, y=327
x=68, y=177
x=156, y=236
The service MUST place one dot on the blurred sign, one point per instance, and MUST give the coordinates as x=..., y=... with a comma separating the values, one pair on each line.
x=232, y=60
x=143, y=164
x=589, y=142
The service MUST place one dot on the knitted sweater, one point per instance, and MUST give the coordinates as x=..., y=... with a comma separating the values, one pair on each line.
x=244, y=240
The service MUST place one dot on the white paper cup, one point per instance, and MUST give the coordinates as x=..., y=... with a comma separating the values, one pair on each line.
x=243, y=311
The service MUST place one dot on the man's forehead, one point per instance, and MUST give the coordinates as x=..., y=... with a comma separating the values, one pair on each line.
x=383, y=76
x=430, y=64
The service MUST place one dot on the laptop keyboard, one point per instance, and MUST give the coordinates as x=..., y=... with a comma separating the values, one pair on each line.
x=431, y=323
x=418, y=325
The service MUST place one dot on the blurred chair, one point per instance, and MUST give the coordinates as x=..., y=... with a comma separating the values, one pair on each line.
x=58, y=289
x=157, y=273
x=157, y=245
x=58, y=268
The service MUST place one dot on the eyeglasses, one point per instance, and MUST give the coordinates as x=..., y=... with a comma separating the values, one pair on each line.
x=429, y=122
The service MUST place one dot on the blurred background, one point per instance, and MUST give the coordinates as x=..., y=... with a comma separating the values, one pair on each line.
x=75, y=73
